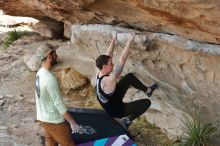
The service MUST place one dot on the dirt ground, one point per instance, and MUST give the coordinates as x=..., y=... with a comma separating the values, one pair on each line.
x=17, y=101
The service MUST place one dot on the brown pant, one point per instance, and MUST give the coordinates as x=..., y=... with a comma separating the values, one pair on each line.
x=57, y=134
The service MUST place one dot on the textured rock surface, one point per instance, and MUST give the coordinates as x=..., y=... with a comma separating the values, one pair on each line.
x=187, y=71
x=194, y=19
x=175, y=53
x=51, y=29
x=154, y=57
x=32, y=62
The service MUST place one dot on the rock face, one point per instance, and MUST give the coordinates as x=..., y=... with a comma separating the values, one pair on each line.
x=50, y=29
x=177, y=45
x=188, y=71
x=194, y=19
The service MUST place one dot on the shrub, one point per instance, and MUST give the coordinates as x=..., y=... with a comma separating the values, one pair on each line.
x=196, y=133
x=12, y=36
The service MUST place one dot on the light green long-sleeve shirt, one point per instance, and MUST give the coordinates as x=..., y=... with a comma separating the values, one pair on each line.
x=49, y=103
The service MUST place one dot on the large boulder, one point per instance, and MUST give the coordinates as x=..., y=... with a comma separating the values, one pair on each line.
x=197, y=20
x=187, y=71
x=32, y=62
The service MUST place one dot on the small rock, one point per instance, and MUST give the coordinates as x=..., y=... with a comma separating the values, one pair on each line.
x=28, y=119
x=5, y=56
x=10, y=108
x=3, y=128
x=3, y=135
x=8, y=95
x=31, y=100
x=20, y=97
x=15, y=126
x=17, y=144
x=2, y=102
x=1, y=96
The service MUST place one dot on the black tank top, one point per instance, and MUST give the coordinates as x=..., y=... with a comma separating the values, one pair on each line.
x=101, y=95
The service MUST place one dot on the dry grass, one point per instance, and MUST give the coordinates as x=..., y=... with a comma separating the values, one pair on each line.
x=147, y=134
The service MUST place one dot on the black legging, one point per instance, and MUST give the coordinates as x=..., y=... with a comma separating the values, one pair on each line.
x=119, y=109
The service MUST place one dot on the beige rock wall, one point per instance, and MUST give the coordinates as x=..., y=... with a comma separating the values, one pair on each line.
x=188, y=71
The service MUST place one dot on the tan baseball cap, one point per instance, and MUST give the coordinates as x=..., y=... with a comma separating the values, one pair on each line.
x=44, y=50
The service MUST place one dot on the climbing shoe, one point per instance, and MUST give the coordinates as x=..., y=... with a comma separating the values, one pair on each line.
x=126, y=122
x=153, y=87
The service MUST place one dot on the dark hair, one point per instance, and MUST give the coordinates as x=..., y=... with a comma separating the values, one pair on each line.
x=102, y=60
